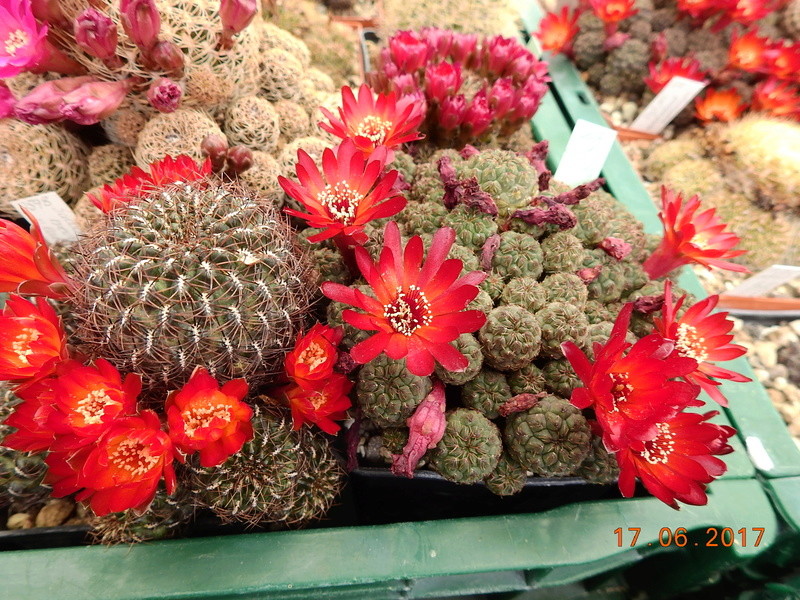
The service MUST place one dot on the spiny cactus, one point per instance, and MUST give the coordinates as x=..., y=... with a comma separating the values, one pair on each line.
x=195, y=274
x=388, y=392
x=282, y=475
x=508, y=477
x=510, y=338
x=470, y=448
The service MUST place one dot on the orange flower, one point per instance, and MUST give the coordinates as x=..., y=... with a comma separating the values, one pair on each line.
x=29, y=418
x=557, y=30
x=88, y=400
x=698, y=9
x=125, y=467
x=778, y=98
x=784, y=59
x=747, y=51
x=138, y=183
x=613, y=11
x=719, y=105
x=661, y=74
x=314, y=356
x=691, y=237
x=26, y=264
x=322, y=405
x=32, y=341
x=206, y=418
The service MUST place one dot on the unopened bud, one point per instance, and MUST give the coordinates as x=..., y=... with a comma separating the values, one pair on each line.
x=215, y=147
x=167, y=57
x=165, y=95
x=96, y=33
x=235, y=15
x=141, y=22
x=240, y=159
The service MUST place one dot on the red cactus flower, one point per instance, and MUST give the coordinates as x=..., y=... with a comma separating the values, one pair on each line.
x=778, y=98
x=442, y=80
x=784, y=59
x=314, y=356
x=26, y=264
x=679, y=461
x=30, y=417
x=124, y=468
x=557, y=30
x=351, y=191
x=748, y=51
x=418, y=307
x=660, y=74
x=63, y=470
x=698, y=9
x=322, y=405
x=370, y=122
x=691, y=237
x=719, y=105
x=630, y=393
x=703, y=336
x=32, y=340
x=204, y=417
x=138, y=183
x=613, y=11
x=748, y=12
x=87, y=400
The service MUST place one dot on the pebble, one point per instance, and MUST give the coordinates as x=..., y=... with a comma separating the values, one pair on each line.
x=628, y=111
x=55, y=512
x=795, y=326
x=767, y=353
x=20, y=521
x=616, y=118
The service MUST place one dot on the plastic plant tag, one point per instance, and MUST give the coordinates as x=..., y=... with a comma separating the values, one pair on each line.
x=670, y=101
x=765, y=281
x=586, y=152
x=56, y=219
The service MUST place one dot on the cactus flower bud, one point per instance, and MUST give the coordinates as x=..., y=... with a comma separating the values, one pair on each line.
x=164, y=95
x=240, y=159
x=49, y=11
x=404, y=84
x=96, y=33
x=167, y=57
x=215, y=147
x=442, y=80
x=426, y=428
x=408, y=51
x=462, y=48
x=141, y=22
x=43, y=103
x=479, y=114
x=94, y=101
x=502, y=96
x=438, y=39
x=453, y=111
x=235, y=15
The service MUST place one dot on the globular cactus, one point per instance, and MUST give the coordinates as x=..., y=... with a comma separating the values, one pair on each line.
x=518, y=255
x=194, y=274
x=508, y=477
x=469, y=347
x=526, y=292
x=510, y=338
x=175, y=133
x=252, y=122
x=599, y=466
x=472, y=227
x=108, y=163
x=40, y=158
x=282, y=74
x=262, y=177
x=560, y=322
x=282, y=475
x=551, y=439
x=565, y=287
x=486, y=392
x=388, y=392
x=166, y=517
x=561, y=251
x=527, y=380
x=506, y=176
x=293, y=119
x=559, y=377
x=469, y=449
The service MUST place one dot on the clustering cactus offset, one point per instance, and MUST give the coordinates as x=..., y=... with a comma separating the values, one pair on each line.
x=282, y=475
x=551, y=439
x=470, y=448
x=388, y=393
x=195, y=274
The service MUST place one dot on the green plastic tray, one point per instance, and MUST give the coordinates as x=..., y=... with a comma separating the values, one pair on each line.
x=760, y=427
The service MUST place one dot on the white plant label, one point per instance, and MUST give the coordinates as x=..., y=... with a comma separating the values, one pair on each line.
x=765, y=281
x=56, y=219
x=586, y=152
x=670, y=101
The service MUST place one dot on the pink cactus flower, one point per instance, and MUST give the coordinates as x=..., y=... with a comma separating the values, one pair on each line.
x=43, y=103
x=94, y=101
x=442, y=80
x=426, y=429
x=7, y=101
x=96, y=33
x=408, y=51
x=453, y=111
x=235, y=15
x=141, y=22
x=22, y=39
x=463, y=47
x=479, y=115
x=165, y=95
x=502, y=97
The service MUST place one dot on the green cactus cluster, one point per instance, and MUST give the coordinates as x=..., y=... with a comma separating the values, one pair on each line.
x=536, y=296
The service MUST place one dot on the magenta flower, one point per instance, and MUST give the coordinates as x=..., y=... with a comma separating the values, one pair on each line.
x=442, y=80
x=453, y=111
x=235, y=15
x=7, y=101
x=43, y=103
x=22, y=39
x=479, y=115
x=96, y=33
x=408, y=51
x=141, y=22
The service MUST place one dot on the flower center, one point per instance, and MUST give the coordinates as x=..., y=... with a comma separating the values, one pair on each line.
x=657, y=451
x=21, y=346
x=93, y=406
x=202, y=416
x=620, y=389
x=690, y=343
x=313, y=356
x=341, y=201
x=317, y=399
x=374, y=129
x=134, y=457
x=410, y=311
x=16, y=40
